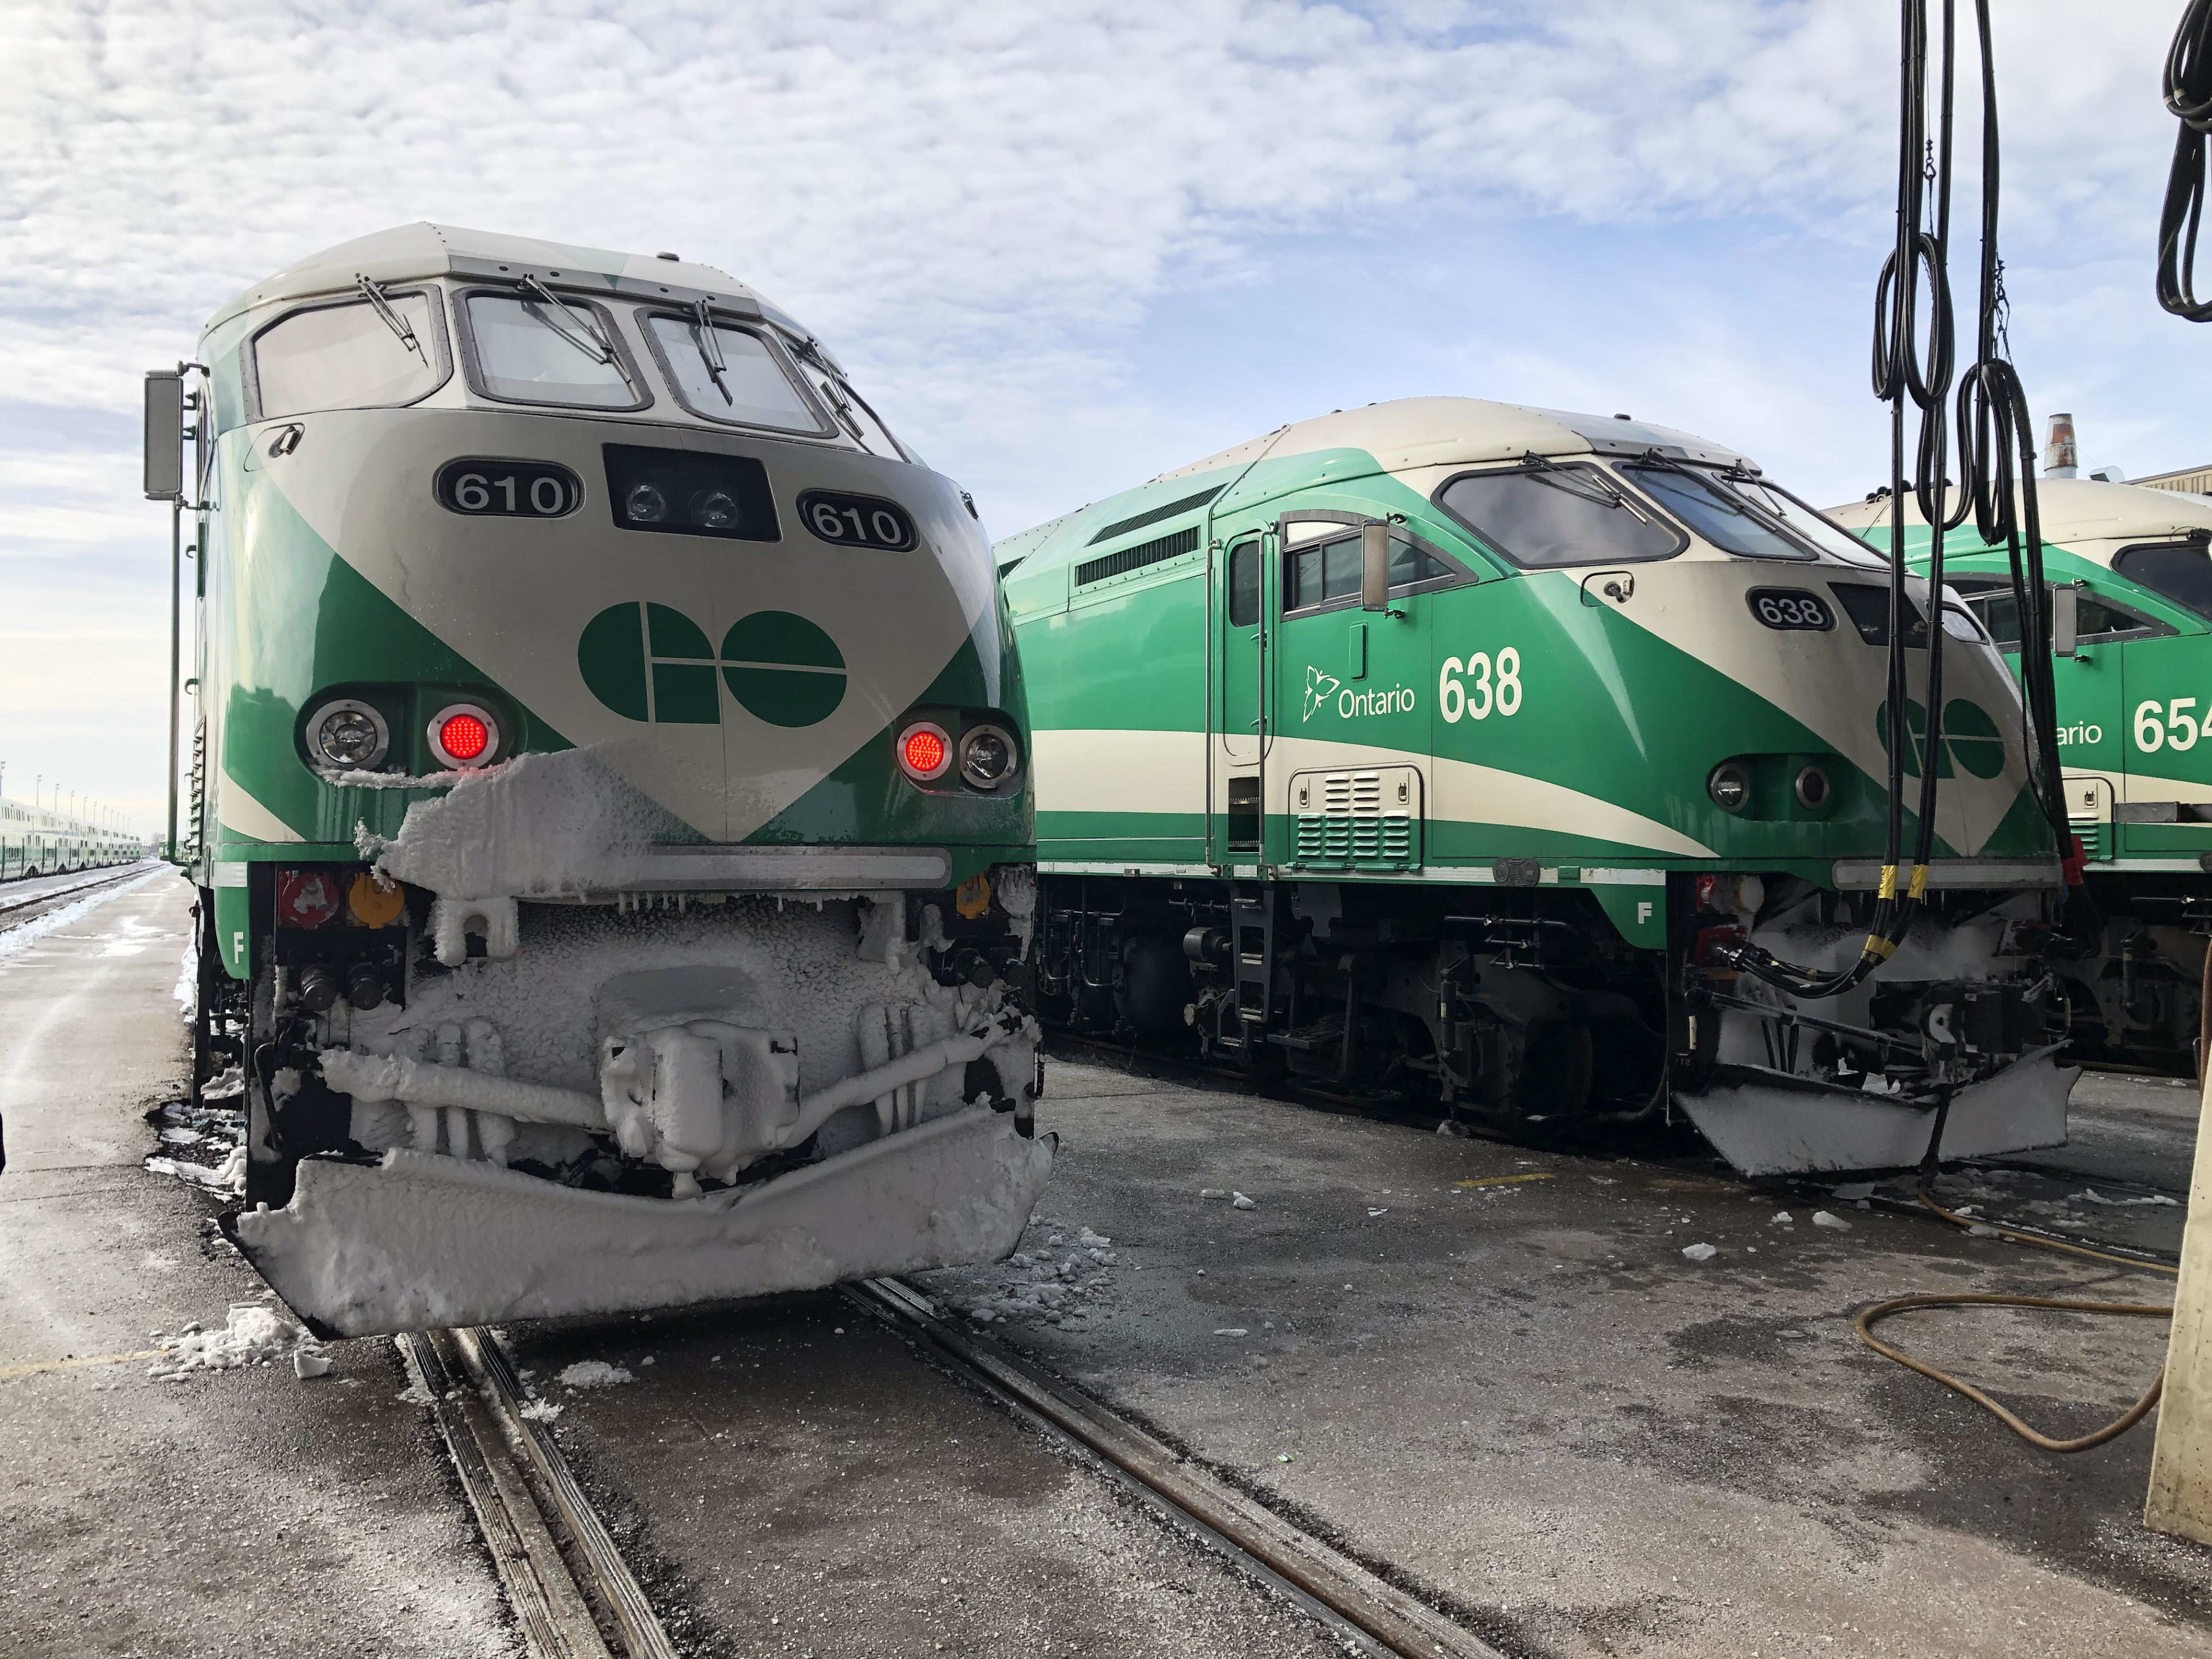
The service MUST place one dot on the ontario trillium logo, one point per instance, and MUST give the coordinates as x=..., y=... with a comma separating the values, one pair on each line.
x=1320, y=688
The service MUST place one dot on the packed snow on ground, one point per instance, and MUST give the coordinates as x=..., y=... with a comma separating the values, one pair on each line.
x=1061, y=1274
x=16, y=938
x=593, y=1374
x=254, y=1334
x=201, y=1146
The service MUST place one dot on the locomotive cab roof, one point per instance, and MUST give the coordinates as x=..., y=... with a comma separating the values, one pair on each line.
x=2087, y=515
x=1402, y=435
x=421, y=251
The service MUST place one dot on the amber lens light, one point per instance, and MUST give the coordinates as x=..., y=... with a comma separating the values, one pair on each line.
x=464, y=737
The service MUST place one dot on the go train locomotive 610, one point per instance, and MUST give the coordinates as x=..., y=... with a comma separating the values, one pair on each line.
x=1450, y=745
x=606, y=784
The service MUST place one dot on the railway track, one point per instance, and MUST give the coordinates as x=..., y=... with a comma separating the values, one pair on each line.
x=574, y=1597
x=17, y=904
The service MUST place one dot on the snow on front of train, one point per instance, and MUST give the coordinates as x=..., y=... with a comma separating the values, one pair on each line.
x=610, y=797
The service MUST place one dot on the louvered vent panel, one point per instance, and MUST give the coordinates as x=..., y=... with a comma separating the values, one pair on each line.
x=1356, y=818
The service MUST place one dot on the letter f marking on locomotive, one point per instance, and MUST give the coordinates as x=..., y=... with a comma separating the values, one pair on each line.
x=1320, y=688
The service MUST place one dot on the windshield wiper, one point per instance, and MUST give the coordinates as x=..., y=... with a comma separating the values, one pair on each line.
x=832, y=384
x=555, y=315
x=392, y=319
x=1573, y=481
x=710, y=349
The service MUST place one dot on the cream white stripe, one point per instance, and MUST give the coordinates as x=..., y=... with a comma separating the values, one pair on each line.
x=239, y=811
x=1090, y=770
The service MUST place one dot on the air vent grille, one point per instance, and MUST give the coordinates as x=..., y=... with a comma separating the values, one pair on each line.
x=1156, y=552
x=1156, y=515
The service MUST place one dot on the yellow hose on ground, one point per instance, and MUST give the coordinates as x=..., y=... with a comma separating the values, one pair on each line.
x=1870, y=1317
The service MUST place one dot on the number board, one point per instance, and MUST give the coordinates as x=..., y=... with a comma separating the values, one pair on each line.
x=857, y=521
x=1789, y=608
x=478, y=487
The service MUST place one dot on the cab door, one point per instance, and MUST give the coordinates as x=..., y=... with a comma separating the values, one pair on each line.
x=1240, y=701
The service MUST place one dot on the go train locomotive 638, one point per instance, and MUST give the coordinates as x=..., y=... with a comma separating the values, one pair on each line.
x=1449, y=745
x=606, y=784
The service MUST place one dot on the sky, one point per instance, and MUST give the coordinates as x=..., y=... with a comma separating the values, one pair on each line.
x=1062, y=246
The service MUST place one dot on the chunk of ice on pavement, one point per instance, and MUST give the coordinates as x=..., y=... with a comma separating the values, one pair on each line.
x=542, y=1411
x=1371, y=1214
x=1232, y=1330
x=2089, y=1192
x=1091, y=1241
x=1822, y=1219
x=1699, y=1252
x=306, y=1364
x=594, y=1374
x=1237, y=1200
x=1981, y=1230
x=1782, y=1218
x=1213, y=1192
x=186, y=1137
x=254, y=1334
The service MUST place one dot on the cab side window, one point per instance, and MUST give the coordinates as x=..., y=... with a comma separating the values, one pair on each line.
x=1244, y=583
x=350, y=355
x=2180, y=571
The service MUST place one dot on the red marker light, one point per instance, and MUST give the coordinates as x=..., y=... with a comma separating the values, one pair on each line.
x=464, y=737
x=925, y=753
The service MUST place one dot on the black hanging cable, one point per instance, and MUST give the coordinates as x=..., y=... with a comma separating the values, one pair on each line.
x=1913, y=362
x=2189, y=95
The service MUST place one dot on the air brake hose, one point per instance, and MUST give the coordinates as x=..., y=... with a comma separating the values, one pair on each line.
x=1995, y=429
x=2189, y=95
x=1870, y=1316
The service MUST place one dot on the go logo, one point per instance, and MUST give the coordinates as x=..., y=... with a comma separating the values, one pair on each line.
x=1971, y=741
x=648, y=662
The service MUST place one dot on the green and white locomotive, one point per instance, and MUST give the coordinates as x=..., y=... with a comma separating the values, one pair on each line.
x=2131, y=586
x=1449, y=745
x=605, y=778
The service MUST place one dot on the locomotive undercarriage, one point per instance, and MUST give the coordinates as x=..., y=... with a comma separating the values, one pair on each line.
x=720, y=1096
x=2134, y=994
x=1522, y=1009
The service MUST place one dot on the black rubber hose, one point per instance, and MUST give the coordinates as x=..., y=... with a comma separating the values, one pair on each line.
x=2189, y=95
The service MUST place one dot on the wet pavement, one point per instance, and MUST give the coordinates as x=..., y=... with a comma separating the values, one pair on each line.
x=1490, y=1372
x=239, y=1512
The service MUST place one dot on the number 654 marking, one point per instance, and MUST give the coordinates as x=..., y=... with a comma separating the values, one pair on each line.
x=2169, y=725
x=1476, y=695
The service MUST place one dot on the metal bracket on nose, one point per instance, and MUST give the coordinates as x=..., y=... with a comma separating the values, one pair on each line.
x=1614, y=588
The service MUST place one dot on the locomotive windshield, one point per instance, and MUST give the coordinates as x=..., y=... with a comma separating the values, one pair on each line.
x=529, y=352
x=1716, y=511
x=348, y=356
x=1543, y=516
x=726, y=374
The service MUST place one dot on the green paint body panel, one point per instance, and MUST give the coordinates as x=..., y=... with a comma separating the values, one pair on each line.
x=1603, y=707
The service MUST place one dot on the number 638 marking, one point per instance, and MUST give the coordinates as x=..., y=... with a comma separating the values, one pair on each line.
x=1476, y=695
x=2177, y=729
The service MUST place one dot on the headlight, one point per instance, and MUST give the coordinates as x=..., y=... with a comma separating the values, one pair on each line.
x=349, y=735
x=644, y=505
x=1730, y=786
x=1812, y=788
x=712, y=508
x=925, y=752
x=464, y=736
x=986, y=757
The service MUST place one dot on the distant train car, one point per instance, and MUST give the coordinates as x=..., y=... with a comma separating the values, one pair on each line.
x=39, y=840
x=1450, y=746
x=2132, y=581
x=605, y=776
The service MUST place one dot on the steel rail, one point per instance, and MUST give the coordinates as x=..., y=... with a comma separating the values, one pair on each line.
x=24, y=902
x=554, y=1556
x=1341, y=1587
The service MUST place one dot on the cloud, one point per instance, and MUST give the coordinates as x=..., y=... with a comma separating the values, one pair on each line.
x=993, y=211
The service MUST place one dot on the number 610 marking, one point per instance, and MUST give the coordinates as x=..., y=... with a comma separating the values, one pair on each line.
x=857, y=521
x=1477, y=695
